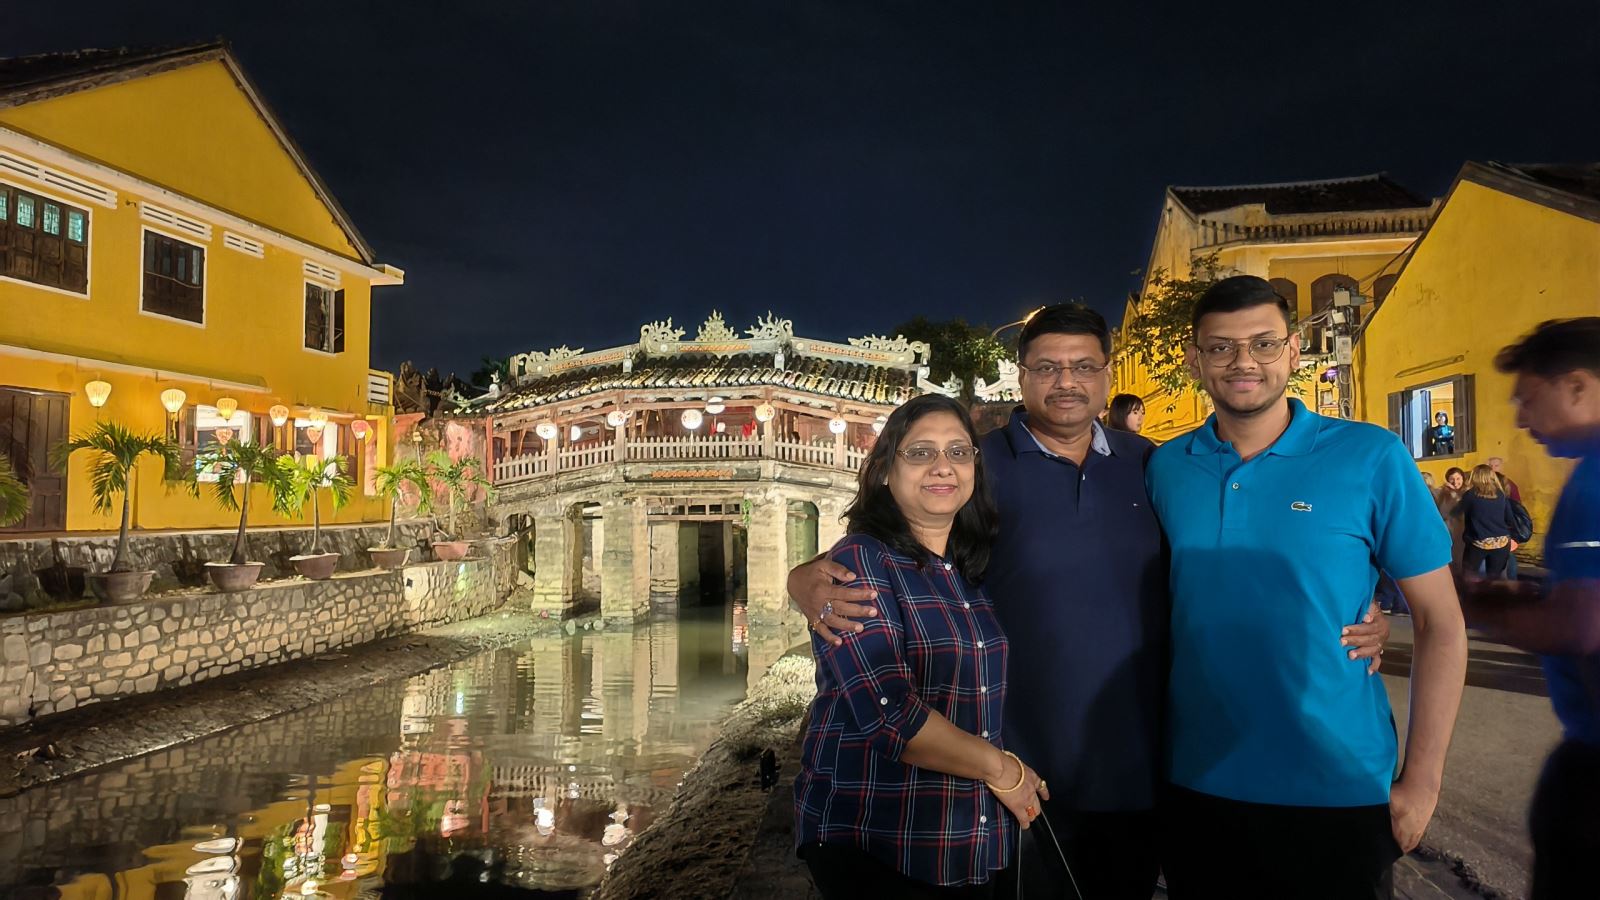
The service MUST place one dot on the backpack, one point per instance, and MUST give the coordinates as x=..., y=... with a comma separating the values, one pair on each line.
x=1521, y=523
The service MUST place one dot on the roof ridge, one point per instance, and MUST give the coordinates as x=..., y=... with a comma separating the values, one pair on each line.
x=104, y=59
x=1375, y=176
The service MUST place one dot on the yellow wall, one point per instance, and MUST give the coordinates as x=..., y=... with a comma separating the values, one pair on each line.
x=211, y=145
x=1491, y=268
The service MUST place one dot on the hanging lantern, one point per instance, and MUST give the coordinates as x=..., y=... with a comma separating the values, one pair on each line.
x=226, y=407
x=617, y=418
x=765, y=413
x=575, y=434
x=279, y=414
x=715, y=406
x=97, y=391
x=314, y=433
x=223, y=435
x=359, y=428
x=172, y=399
x=317, y=417
x=837, y=425
x=546, y=431
x=721, y=427
x=692, y=419
x=878, y=423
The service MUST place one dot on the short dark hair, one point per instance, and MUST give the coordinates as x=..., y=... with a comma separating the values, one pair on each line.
x=1555, y=347
x=1237, y=293
x=1121, y=406
x=1064, y=318
x=875, y=513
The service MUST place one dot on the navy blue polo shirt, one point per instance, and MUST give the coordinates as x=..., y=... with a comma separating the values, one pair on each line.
x=1572, y=551
x=1271, y=556
x=1079, y=582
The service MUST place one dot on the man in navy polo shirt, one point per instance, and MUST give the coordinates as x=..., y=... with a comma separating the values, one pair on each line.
x=1557, y=394
x=1079, y=582
x=1281, y=750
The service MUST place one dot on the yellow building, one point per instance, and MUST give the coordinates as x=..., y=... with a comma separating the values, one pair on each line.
x=160, y=231
x=1511, y=247
x=1309, y=238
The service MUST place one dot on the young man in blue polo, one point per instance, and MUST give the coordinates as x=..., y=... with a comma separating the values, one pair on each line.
x=1282, y=752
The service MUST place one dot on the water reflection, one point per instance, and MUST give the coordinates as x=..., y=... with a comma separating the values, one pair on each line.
x=543, y=761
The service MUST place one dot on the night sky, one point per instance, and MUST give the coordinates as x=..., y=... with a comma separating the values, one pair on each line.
x=558, y=173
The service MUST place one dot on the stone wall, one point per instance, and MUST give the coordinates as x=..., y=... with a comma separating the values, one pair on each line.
x=178, y=558
x=59, y=660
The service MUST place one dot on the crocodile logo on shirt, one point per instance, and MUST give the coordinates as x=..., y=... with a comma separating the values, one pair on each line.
x=1300, y=506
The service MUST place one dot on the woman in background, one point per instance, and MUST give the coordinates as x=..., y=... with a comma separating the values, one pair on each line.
x=1486, y=524
x=1126, y=414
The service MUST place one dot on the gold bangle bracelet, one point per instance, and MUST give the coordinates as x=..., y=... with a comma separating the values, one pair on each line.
x=1022, y=775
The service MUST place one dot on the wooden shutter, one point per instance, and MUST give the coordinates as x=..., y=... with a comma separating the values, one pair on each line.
x=316, y=318
x=338, y=321
x=1466, y=414
x=1397, y=414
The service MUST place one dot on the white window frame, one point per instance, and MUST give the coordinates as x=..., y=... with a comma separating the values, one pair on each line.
x=88, y=262
x=205, y=281
x=330, y=438
x=242, y=422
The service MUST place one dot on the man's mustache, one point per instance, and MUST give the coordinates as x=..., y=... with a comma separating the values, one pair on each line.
x=1066, y=395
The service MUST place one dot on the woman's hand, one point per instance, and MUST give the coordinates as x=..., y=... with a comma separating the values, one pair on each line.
x=1024, y=801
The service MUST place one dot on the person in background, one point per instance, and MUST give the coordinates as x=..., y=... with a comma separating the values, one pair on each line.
x=1126, y=413
x=1486, y=524
x=1557, y=395
x=1433, y=486
x=1442, y=436
x=1448, y=498
x=1515, y=493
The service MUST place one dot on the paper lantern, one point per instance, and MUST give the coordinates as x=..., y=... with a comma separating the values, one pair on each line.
x=575, y=434
x=359, y=428
x=172, y=399
x=617, y=418
x=878, y=423
x=692, y=419
x=765, y=413
x=715, y=406
x=317, y=417
x=226, y=407
x=837, y=425
x=546, y=431
x=97, y=391
x=223, y=435
x=279, y=414
x=314, y=433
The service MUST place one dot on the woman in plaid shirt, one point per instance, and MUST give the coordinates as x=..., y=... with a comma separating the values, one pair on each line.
x=904, y=788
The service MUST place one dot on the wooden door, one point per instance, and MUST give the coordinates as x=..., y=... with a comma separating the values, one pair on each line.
x=31, y=422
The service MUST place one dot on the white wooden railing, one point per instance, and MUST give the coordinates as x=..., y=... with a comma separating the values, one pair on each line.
x=584, y=457
x=711, y=446
x=814, y=454
x=517, y=468
x=691, y=448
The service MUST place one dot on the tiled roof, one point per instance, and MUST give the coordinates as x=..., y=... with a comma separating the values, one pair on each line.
x=1578, y=179
x=848, y=381
x=20, y=74
x=1367, y=193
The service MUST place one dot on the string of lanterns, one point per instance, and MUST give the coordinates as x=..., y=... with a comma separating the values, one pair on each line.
x=98, y=391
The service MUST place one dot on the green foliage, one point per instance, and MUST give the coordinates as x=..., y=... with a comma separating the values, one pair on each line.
x=456, y=479
x=391, y=482
x=967, y=351
x=13, y=494
x=1156, y=337
x=116, y=451
x=241, y=463
x=308, y=476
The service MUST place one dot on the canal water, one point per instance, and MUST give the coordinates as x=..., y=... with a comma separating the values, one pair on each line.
x=543, y=761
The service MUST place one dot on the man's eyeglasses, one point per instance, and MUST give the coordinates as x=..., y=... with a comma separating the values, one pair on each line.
x=1263, y=350
x=1048, y=373
x=925, y=454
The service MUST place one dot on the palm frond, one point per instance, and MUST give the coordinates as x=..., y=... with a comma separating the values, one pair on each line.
x=116, y=452
x=14, y=498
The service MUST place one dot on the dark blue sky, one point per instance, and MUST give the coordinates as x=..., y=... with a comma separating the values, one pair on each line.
x=557, y=173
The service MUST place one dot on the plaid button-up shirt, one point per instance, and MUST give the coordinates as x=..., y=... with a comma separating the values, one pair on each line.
x=934, y=647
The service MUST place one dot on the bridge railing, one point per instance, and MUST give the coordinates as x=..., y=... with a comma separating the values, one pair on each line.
x=689, y=448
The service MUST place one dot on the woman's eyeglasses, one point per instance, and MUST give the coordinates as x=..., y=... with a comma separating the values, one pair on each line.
x=925, y=454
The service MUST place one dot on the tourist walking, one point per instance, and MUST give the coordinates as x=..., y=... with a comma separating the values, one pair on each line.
x=1126, y=413
x=1515, y=493
x=1282, y=755
x=1557, y=395
x=905, y=788
x=1079, y=581
x=1485, y=513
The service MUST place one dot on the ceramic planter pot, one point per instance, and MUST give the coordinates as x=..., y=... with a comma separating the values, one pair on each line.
x=317, y=567
x=120, y=587
x=449, y=551
x=230, y=578
x=389, y=558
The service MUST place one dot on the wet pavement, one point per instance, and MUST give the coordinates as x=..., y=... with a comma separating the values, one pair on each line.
x=543, y=760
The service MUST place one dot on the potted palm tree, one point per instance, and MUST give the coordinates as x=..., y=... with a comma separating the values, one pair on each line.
x=392, y=481
x=456, y=479
x=239, y=463
x=117, y=450
x=308, y=476
x=13, y=494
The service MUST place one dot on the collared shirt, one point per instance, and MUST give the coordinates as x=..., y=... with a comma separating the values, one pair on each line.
x=935, y=646
x=1270, y=558
x=1572, y=551
x=1079, y=582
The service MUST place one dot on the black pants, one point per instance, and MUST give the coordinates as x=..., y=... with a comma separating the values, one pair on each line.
x=847, y=873
x=1565, y=823
x=1493, y=560
x=1230, y=849
x=1112, y=855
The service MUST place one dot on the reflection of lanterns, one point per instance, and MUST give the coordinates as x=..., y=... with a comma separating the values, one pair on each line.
x=692, y=419
x=226, y=407
x=765, y=413
x=359, y=428
x=97, y=391
x=715, y=406
x=546, y=431
x=837, y=425
x=279, y=414
x=617, y=418
x=878, y=423
x=172, y=399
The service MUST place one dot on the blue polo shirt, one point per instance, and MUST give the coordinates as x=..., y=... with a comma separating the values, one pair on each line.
x=1572, y=552
x=1270, y=558
x=1078, y=581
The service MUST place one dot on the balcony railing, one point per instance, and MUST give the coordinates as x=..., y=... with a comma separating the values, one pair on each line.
x=692, y=448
